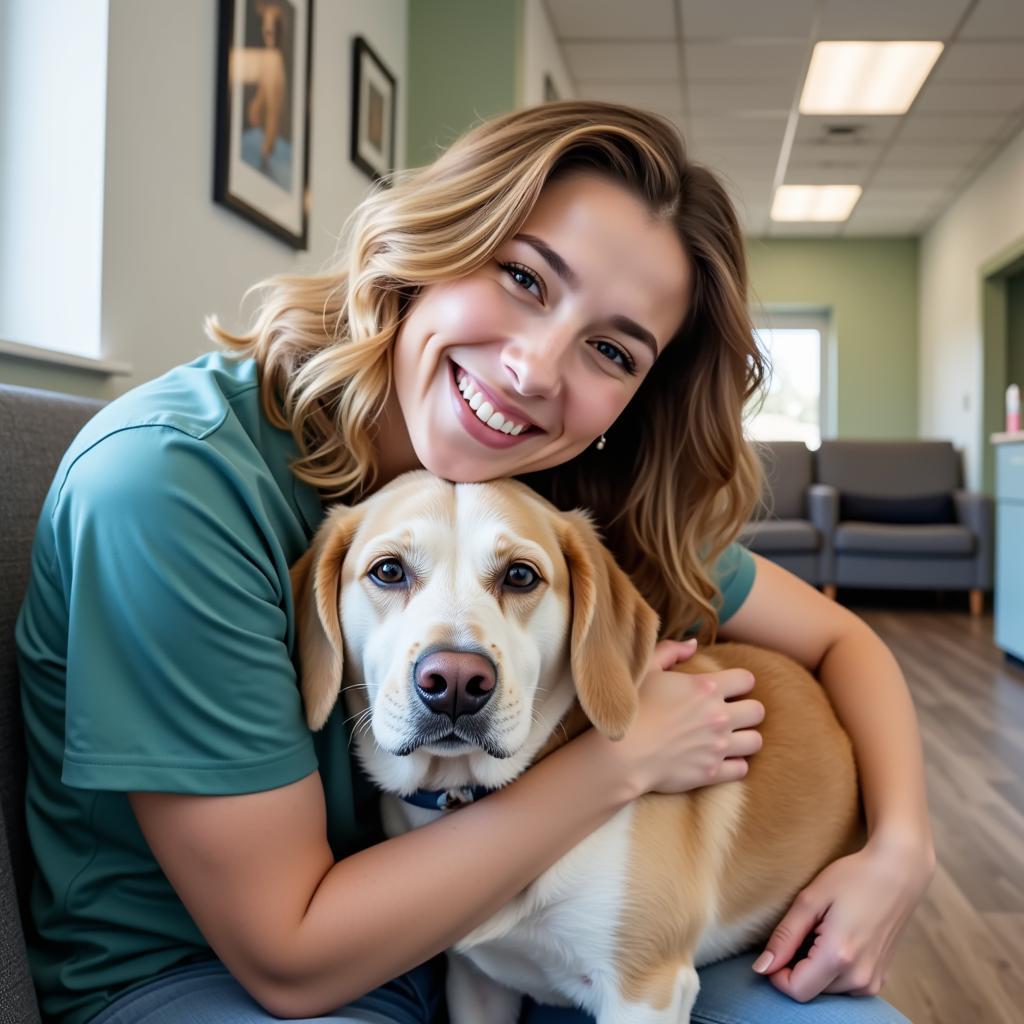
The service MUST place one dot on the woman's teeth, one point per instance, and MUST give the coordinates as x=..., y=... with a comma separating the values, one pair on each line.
x=485, y=412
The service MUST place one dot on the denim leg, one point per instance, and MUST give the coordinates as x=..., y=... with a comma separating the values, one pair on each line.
x=731, y=993
x=207, y=994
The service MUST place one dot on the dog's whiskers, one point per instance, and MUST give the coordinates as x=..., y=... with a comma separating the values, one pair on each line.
x=354, y=686
x=363, y=721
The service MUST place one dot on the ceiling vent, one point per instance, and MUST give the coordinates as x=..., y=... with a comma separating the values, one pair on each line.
x=842, y=133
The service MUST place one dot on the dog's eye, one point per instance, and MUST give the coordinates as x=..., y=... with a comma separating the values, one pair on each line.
x=521, y=577
x=388, y=571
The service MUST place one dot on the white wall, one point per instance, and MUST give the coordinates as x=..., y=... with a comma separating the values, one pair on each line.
x=170, y=254
x=987, y=220
x=541, y=55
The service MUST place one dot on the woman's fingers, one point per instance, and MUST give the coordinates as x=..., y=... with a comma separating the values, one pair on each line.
x=669, y=653
x=744, y=743
x=732, y=769
x=745, y=714
x=729, y=682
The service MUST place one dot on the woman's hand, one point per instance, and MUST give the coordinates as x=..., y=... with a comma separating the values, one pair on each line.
x=857, y=906
x=690, y=730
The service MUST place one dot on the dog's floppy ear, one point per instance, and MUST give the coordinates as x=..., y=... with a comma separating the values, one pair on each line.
x=614, y=629
x=316, y=585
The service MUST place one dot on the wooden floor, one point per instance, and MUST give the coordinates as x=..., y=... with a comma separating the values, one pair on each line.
x=961, y=960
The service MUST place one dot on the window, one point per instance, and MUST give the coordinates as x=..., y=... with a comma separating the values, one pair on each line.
x=793, y=408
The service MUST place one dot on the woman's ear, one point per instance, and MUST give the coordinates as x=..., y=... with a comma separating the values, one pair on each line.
x=316, y=593
x=614, y=629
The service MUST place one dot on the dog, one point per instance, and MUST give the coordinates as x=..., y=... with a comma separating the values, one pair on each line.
x=479, y=628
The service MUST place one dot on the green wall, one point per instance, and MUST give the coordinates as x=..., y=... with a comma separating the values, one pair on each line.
x=869, y=287
x=463, y=67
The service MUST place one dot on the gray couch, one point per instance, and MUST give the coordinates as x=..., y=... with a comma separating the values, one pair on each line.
x=35, y=429
x=874, y=514
x=898, y=517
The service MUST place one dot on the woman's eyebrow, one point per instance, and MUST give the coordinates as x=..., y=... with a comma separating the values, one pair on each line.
x=621, y=323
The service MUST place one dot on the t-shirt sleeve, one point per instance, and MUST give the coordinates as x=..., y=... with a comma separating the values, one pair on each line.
x=734, y=573
x=179, y=677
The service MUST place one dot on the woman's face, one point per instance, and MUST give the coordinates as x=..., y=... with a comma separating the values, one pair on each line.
x=525, y=362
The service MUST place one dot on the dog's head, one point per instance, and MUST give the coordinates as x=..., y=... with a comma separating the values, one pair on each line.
x=462, y=614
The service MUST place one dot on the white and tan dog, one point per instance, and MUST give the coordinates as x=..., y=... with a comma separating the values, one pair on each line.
x=480, y=628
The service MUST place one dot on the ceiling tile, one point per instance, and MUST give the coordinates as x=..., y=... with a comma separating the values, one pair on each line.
x=886, y=199
x=826, y=174
x=955, y=128
x=995, y=19
x=828, y=153
x=883, y=227
x=750, y=191
x=662, y=97
x=804, y=229
x=622, y=60
x=736, y=97
x=724, y=128
x=886, y=19
x=947, y=153
x=738, y=153
x=714, y=62
x=923, y=175
x=942, y=98
x=639, y=19
x=748, y=20
x=981, y=62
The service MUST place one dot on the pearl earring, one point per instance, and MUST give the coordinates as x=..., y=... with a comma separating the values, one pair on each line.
x=602, y=441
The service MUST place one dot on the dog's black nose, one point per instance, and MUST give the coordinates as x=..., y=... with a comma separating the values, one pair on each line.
x=454, y=683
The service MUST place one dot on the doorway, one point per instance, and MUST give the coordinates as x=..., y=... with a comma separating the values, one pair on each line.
x=1003, y=356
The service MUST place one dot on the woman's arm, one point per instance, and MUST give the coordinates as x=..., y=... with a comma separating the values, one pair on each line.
x=305, y=935
x=871, y=699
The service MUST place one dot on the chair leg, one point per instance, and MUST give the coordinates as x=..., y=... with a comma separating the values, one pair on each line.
x=977, y=598
x=829, y=590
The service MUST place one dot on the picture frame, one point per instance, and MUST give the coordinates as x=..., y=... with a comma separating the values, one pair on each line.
x=261, y=146
x=374, y=112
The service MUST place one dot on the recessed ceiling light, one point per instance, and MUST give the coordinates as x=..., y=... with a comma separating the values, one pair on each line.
x=814, y=202
x=866, y=78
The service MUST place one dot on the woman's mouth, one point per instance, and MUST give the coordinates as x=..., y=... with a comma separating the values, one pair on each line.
x=483, y=417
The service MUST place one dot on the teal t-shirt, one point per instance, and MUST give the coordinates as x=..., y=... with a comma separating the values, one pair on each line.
x=156, y=646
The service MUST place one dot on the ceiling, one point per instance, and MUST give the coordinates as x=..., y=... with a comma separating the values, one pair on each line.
x=729, y=74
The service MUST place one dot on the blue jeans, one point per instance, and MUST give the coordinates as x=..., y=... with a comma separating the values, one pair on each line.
x=730, y=993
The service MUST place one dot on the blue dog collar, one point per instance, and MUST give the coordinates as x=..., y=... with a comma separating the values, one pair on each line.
x=446, y=799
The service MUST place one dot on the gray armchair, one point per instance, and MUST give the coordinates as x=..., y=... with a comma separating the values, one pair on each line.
x=793, y=524
x=35, y=429
x=900, y=518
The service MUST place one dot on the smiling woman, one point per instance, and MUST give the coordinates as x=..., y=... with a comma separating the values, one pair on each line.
x=558, y=354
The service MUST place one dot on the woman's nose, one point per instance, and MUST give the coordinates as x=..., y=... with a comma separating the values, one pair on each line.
x=536, y=365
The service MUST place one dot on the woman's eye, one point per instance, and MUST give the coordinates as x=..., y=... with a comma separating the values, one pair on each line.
x=388, y=571
x=616, y=355
x=521, y=577
x=524, y=277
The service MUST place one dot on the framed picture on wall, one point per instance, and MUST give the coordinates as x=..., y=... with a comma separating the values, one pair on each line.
x=261, y=166
x=374, y=95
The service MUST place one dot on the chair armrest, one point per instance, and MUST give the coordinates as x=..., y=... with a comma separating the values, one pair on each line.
x=823, y=507
x=823, y=510
x=977, y=512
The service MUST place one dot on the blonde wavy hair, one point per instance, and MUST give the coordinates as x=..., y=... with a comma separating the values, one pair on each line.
x=677, y=479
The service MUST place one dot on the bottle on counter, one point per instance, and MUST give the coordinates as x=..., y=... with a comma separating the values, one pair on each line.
x=1013, y=409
